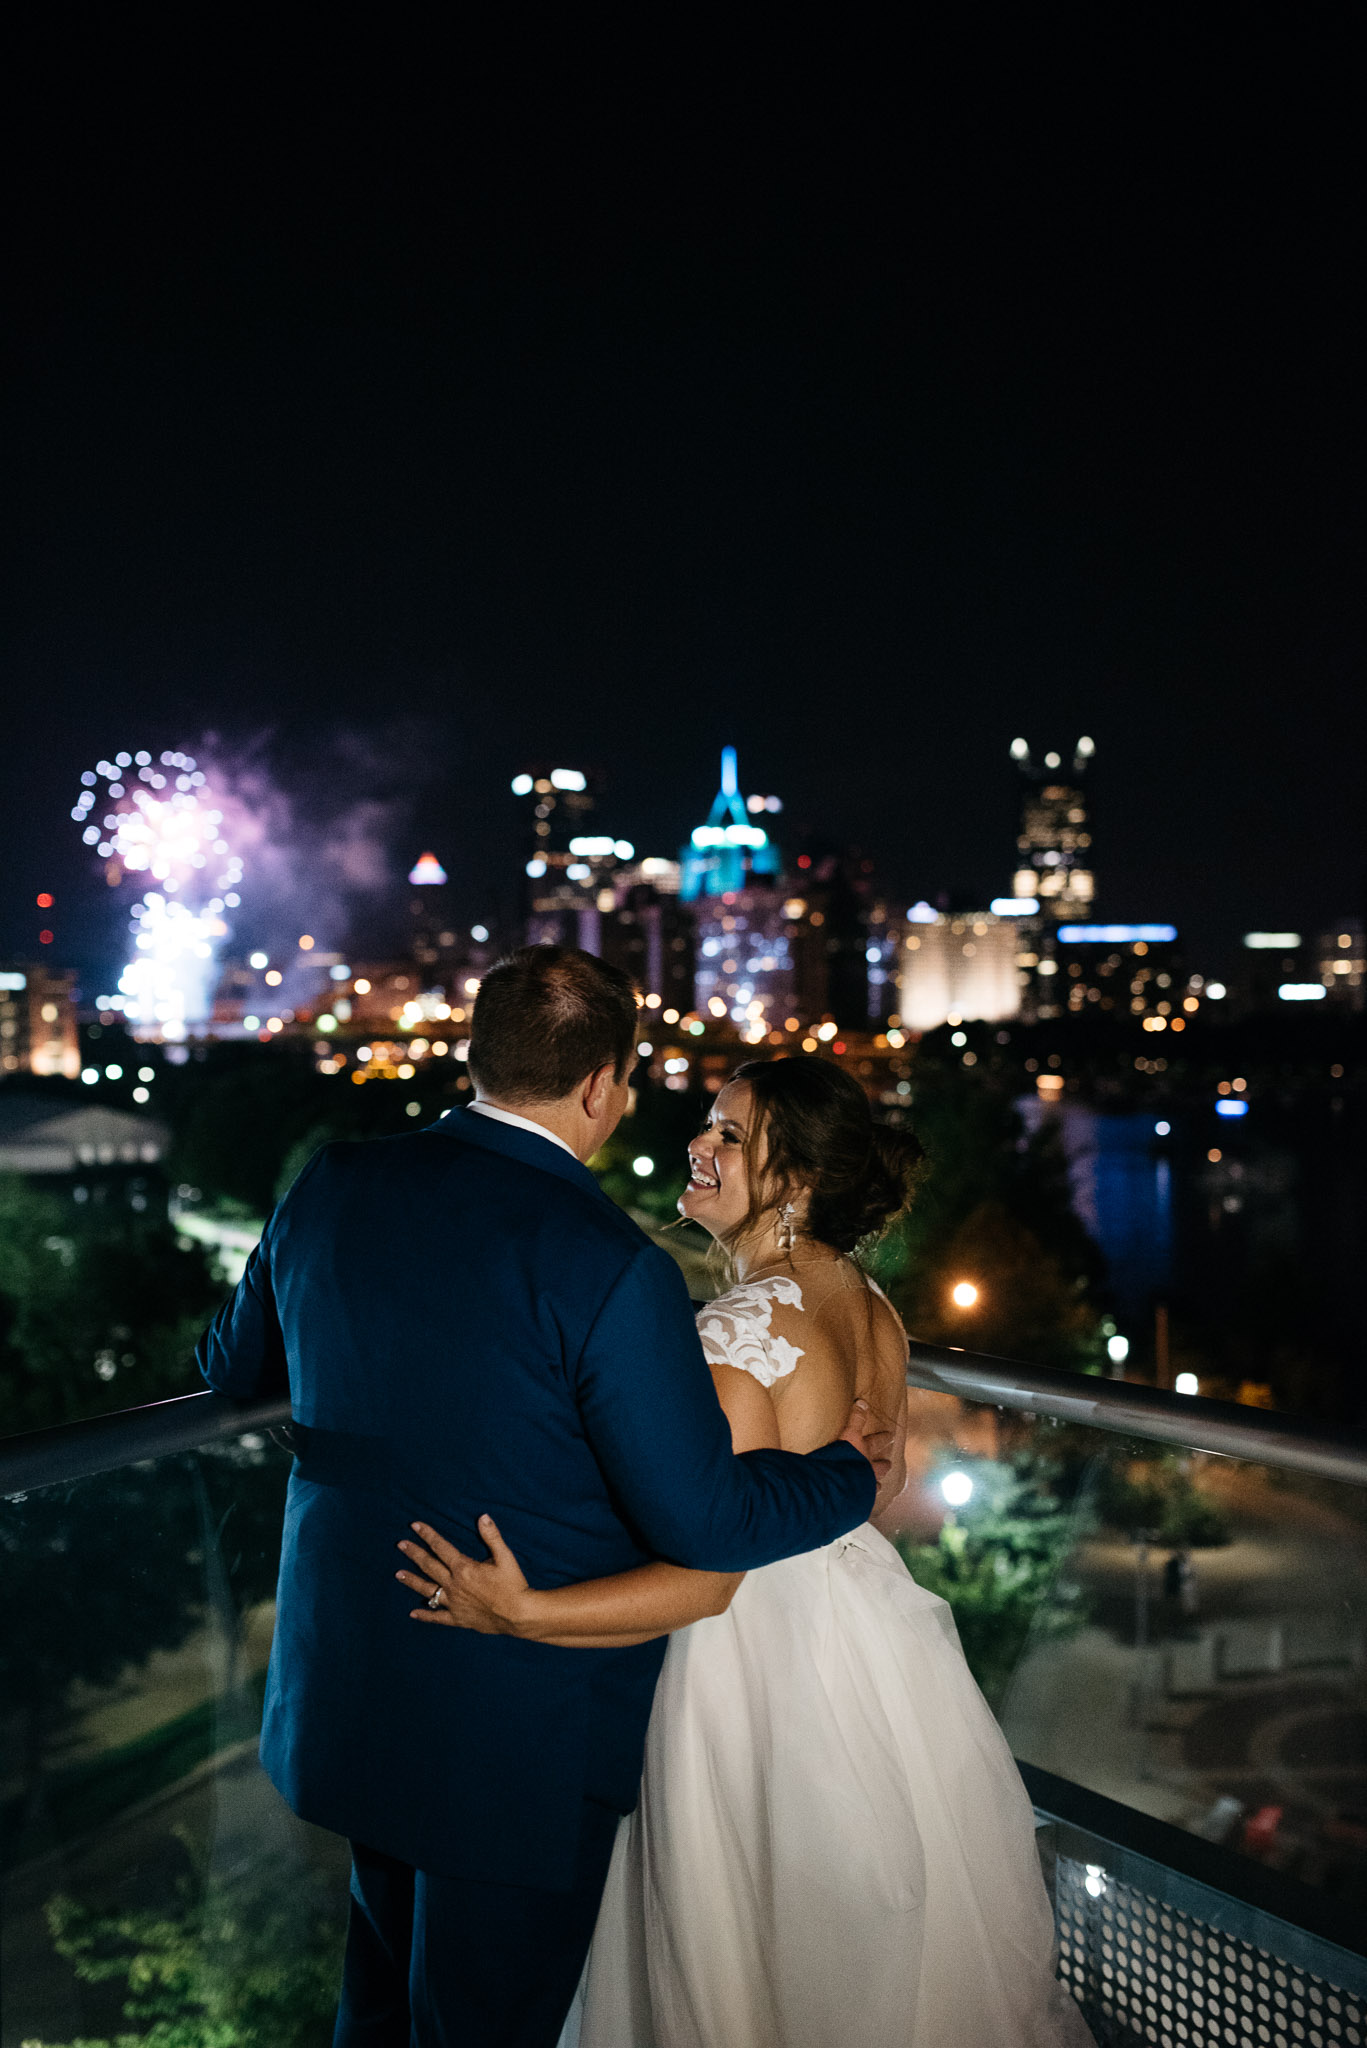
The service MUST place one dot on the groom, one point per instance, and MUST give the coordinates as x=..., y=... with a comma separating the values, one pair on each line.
x=466, y=1324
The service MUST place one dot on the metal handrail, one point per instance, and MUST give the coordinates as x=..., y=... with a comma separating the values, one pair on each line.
x=1296, y=1443
x=79, y=1450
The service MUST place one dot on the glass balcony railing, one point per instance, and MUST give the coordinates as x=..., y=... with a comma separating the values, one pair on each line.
x=1164, y=1599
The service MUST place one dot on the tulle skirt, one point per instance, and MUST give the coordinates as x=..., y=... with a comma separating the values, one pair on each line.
x=833, y=1846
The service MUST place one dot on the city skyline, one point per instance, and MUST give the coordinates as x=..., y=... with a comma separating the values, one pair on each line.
x=739, y=932
x=836, y=440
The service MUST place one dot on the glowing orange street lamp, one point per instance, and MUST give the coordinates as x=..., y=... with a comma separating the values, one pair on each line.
x=963, y=1294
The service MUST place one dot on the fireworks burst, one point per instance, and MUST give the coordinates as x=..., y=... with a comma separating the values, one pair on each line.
x=159, y=820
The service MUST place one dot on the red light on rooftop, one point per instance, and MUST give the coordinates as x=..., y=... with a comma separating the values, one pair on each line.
x=839, y=1045
x=45, y=901
x=804, y=860
x=45, y=938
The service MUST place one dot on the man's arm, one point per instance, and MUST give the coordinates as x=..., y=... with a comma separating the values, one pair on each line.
x=242, y=1353
x=657, y=1429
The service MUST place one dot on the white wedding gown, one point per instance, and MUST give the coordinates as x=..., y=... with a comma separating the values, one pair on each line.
x=833, y=1847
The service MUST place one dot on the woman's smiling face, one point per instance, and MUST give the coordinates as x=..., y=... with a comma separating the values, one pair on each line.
x=718, y=1191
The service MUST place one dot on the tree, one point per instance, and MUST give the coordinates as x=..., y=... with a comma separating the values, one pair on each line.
x=99, y=1307
x=999, y=1562
x=250, y=1959
x=1155, y=1494
x=993, y=1206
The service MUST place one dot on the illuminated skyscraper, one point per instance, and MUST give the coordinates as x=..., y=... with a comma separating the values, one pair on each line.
x=1054, y=846
x=730, y=850
x=568, y=869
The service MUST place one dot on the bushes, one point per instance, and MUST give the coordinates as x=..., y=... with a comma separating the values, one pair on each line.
x=999, y=1562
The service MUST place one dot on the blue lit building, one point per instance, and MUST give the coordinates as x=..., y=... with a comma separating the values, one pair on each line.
x=729, y=852
x=746, y=929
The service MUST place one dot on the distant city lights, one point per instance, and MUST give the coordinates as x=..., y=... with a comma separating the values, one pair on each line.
x=1302, y=991
x=1013, y=906
x=1186, y=1383
x=1234, y=1107
x=1162, y=1130
x=921, y=913
x=1216, y=991
x=1272, y=942
x=522, y=785
x=1117, y=1349
x=568, y=778
x=1116, y=934
x=258, y=960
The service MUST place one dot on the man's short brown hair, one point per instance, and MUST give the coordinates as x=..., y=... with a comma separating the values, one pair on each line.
x=546, y=1017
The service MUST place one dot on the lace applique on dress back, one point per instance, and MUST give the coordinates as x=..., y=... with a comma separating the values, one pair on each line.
x=735, y=1329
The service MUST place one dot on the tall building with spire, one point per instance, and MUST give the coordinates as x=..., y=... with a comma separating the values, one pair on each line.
x=745, y=924
x=732, y=848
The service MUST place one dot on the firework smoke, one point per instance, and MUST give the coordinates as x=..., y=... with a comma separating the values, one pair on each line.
x=230, y=853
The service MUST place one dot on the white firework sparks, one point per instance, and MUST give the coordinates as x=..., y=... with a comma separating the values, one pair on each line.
x=159, y=820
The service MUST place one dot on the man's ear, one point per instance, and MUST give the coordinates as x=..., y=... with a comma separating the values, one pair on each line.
x=596, y=1089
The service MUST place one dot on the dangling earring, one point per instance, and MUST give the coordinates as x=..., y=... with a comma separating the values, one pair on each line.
x=787, y=1230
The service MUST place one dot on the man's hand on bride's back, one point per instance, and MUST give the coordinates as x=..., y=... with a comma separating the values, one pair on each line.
x=457, y=1591
x=868, y=1436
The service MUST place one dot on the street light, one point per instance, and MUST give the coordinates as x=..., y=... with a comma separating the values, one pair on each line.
x=1117, y=1349
x=957, y=1489
x=1186, y=1383
x=963, y=1294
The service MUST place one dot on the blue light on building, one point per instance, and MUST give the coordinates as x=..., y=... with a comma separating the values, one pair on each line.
x=1231, y=1109
x=728, y=852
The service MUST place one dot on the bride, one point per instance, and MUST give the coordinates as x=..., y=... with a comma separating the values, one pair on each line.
x=833, y=1846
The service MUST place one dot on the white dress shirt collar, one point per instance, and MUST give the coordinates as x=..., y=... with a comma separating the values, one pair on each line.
x=521, y=1123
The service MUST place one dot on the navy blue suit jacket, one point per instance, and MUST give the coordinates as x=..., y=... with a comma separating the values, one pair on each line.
x=466, y=1324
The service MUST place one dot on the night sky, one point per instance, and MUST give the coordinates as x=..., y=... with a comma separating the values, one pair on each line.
x=405, y=411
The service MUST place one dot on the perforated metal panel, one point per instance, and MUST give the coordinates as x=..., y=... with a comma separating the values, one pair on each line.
x=1145, y=1972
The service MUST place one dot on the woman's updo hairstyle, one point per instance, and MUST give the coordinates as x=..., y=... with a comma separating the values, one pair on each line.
x=821, y=1136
